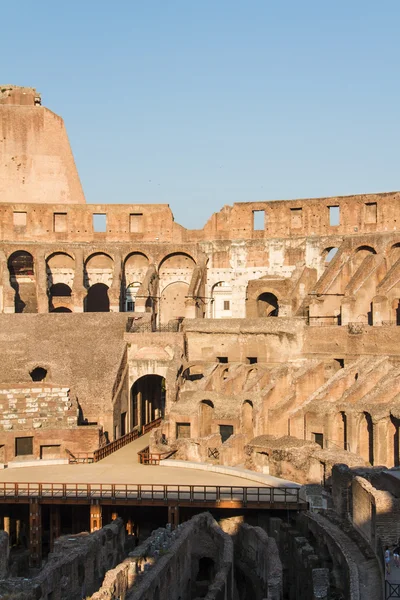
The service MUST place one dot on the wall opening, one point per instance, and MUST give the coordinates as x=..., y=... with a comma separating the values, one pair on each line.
x=38, y=374
x=296, y=218
x=330, y=253
x=259, y=219
x=22, y=280
x=182, y=430
x=97, y=298
x=267, y=305
x=334, y=215
x=99, y=222
x=206, y=417
x=19, y=219
x=225, y=431
x=23, y=446
x=148, y=399
x=371, y=212
x=60, y=222
x=136, y=222
x=247, y=419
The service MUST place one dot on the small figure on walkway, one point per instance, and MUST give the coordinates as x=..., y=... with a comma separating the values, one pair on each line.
x=396, y=556
x=388, y=556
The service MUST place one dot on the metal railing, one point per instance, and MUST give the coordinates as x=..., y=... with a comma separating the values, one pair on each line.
x=152, y=494
x=124, y=440
x=392, y=590
x=153, y=458
x=136, y=326
x=79, y=458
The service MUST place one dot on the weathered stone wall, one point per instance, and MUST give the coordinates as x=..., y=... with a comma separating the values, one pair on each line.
x=168, y=565
x=4, y=554
x=75, y=568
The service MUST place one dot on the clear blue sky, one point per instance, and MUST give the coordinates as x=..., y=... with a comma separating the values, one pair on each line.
x=209, y=102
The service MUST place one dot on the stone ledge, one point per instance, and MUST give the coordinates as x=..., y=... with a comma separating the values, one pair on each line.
x=267, y=480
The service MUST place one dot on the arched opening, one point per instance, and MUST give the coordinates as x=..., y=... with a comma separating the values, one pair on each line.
x=99, y=268
x=247, y=419
x=61, y=309
x=206, y=417
x=147, y=399
x=60, y=289
x=205, y=576
x=366, y=438
x=360, y=255
x=267, y=305
x=59, y=293
x=221, y=300
x=97, y=299
x=38, y=374
x=130, y=296
x=329, y=254
x=173, y=301
x=22, y=280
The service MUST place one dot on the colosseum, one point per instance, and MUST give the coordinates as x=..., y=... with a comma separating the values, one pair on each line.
x=188, y=414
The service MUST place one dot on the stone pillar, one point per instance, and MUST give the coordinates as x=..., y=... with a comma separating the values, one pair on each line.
x=35, y=534
x=55, y=524
x=96, y=517
x=41, y=283
x=380, y=310
x=352, y=431
x=78, y=288
x=7, y=524
x=347, y=310
x=173, y=516
x=383, y=442
x=114, y=292
x=8, y=293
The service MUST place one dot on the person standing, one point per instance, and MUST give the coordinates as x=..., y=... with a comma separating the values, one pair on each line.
x=388, y=557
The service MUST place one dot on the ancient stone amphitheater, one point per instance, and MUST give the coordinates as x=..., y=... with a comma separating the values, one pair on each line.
x=149, y=373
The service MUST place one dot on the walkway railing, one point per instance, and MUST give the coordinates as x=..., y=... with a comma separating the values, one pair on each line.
x=145, y=458
x=152, y=494
x=79, y=458
x=124, y=440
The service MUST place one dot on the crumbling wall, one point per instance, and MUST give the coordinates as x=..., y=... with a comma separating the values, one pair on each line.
x=75, y=568
x=4, y=554
x=257, y=556
x=168, y=563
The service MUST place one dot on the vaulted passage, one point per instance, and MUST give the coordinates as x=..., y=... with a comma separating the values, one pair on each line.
x=148, y=399
x=22, y=280
x=97, y=299
x=267, y=305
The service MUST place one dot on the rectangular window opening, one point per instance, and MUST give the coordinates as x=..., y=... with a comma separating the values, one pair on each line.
x=222, y=359
x=19, y=219
x=296, y=218
x=319, y=439
x=23, y=446
x=259, y=220
x=334, y=216
x=50, y=452
x=227, y=305
x=60, y=222
x=225, y=431
x=251, y=360
x=99, y=223
x=371, y=212
x=135, y=222
x=183, y=430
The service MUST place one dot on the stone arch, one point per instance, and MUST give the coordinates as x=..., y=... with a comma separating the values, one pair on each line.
x=136, y=265
x=60, y=270
x=221, y=300
x=177, y=260
x=248, y=419
x=147, y=399
x=395, y=422
x=267, y=305
x=22, y=279
x=97, y=299
x=206, y=410
x=61, y=309
x=329, y=253
x=173, y=301
x=99, y=268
